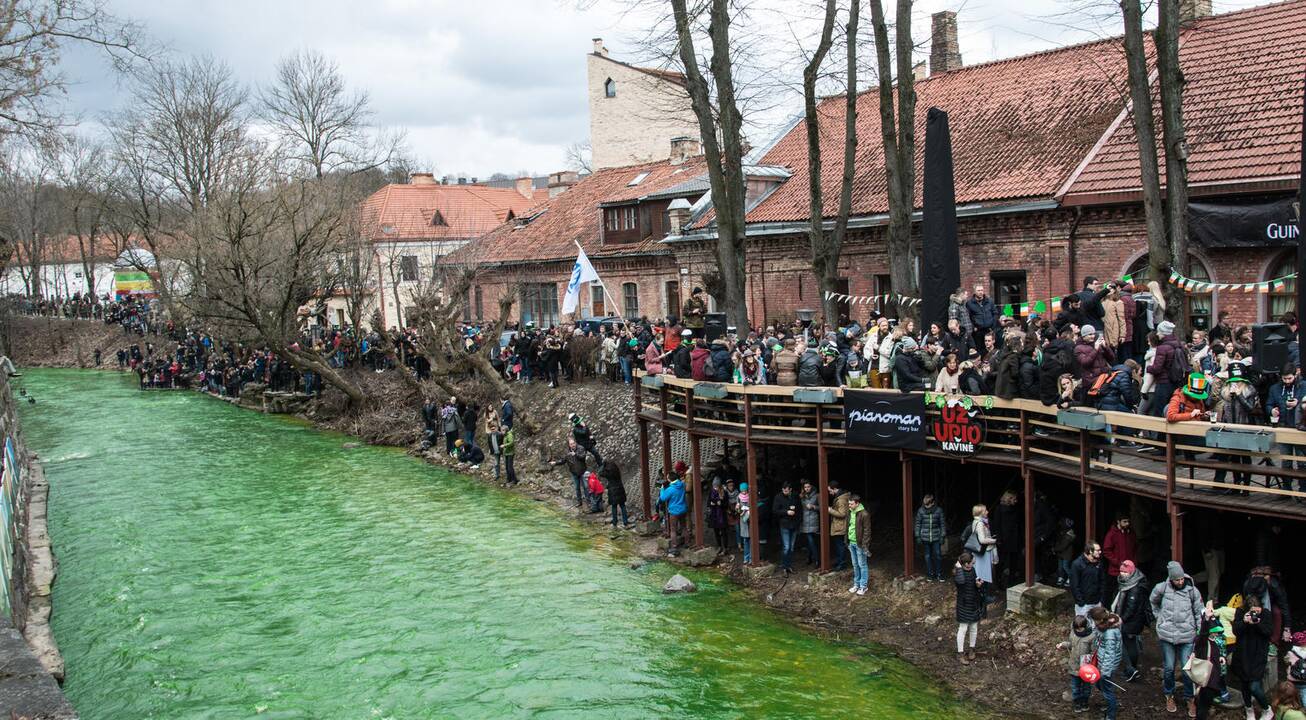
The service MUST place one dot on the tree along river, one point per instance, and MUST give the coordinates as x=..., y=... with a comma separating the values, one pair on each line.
x=219, y=563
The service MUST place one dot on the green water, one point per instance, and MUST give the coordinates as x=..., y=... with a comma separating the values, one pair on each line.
x=218, y=563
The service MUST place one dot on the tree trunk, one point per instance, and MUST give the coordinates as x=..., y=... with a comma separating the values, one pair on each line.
x=308, y=361
x=724, y=158
x=1171, y=89
x=1140, y=104
x=825, y=271
x=899, y=140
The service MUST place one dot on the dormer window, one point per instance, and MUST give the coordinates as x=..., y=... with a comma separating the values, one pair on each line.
x=511, y=216
x=610, y=88
x=437, y=220
x=638, y=179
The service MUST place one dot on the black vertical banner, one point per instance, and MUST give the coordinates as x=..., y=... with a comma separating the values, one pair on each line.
x=940, y=256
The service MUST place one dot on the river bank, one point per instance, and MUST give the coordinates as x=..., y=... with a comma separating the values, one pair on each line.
x=1019, y=672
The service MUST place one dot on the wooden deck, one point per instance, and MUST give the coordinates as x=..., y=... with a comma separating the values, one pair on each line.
x=1142, y=456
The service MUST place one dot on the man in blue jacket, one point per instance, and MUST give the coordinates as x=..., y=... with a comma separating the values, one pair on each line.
x=674, y=496
x=983, y=314
x=1283, y=406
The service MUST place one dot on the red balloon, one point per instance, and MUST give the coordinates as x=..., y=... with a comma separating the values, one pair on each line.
x=1089, y=673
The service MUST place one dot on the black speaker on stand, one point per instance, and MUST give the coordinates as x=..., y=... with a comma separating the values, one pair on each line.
x=714, y=326
x=1270, y=346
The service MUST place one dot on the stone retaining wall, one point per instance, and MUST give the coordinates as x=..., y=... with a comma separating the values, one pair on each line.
x=29, y=671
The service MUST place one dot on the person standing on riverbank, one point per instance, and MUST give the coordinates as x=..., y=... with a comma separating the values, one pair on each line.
x=970, y=605
x=674, y=496
x=509, y=450
x=929, y=530
x=1109, y=646
x=811, y=525
x=838, y=524
x=859, y=543
x=584, y=438
x=788, y=514
x=574, y=459
x=1177, y=606
x=494, y=438
x=611, y=476
x=1086, y=579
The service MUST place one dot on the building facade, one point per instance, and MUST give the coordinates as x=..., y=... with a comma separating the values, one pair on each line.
x=634, y=111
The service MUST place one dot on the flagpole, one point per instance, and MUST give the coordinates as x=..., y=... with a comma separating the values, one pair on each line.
x=606, y=293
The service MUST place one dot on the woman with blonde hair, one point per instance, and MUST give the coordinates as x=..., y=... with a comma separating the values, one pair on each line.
x=979, y=541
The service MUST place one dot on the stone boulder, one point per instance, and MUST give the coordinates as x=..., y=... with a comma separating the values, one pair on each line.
x=679, y=584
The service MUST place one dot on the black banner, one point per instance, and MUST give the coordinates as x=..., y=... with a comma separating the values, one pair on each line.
x=940, y=257
x=1275, y=223
x=879, y=419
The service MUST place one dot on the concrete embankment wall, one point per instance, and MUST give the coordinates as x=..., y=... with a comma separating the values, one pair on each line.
x=30, y=664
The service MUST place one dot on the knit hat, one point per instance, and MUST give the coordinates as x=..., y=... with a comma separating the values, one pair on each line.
x=1174, y=570
x=1165, y=328
x=1127, y=567
x=1087, y=331
x=908, y=344
x=680, y=467
x=743, y=487
x=1197, y=387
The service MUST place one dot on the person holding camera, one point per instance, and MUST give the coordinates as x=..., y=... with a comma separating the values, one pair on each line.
x=1253, y=630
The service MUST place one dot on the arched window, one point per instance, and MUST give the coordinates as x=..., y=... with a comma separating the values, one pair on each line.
x=1199, y=302
x=610, y=88
x=1284, y=299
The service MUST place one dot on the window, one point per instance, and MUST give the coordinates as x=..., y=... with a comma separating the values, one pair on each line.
x=340, y=317
x=884, y=286
x=467, y=305
x=1199, y=302
x=408, y=268
x=539, y=304
x=629, y=215
x=610, y=88
x=480, y=304
x=673, y=298
x=619, y=219
x=1285, y=298
x=437, y=219
x=1008, y=287
x=630, y=299
x=597, y=307
x=638, y=179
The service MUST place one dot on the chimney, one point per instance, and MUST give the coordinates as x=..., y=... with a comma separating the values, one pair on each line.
x=684, y=148
x=462, y=181
x=526, y=187
x=1190, y=10
x=599, y=49
x=918, y=71
x=677, y=215
x=421, y=179
x=444, y=180
x=945, y=54
x=473, y=181
x=560, y=181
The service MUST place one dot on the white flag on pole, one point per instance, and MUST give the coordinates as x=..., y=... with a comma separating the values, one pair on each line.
x=581, y=272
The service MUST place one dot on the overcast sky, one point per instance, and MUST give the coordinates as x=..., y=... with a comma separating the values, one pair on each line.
x=481, y=86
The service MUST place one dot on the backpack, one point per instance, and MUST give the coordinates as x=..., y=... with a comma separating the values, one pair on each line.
x=1102, y=384
x=1297, y=670
x=709, y=368
x=1179, y=367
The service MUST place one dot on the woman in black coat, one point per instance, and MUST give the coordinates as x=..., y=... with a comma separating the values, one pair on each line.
x=610, y=474
x=1253, y=627
x=970, y=606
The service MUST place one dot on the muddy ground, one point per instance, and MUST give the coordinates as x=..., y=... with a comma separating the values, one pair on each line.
x=1019, y=672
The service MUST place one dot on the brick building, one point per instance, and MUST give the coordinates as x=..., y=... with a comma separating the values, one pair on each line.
x=634, y=111
x=1046, y=175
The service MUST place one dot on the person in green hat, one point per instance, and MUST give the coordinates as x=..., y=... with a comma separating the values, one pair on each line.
x=1189, y=401
x=1237, y=402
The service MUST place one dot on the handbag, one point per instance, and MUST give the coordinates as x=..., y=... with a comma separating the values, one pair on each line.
x=1198, y=670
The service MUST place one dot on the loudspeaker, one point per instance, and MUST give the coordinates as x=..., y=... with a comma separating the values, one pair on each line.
x=714, y=326
x=1270, y=346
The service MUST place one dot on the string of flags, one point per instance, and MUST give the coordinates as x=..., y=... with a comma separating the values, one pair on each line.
x=1042, y=307
x=1191, y=285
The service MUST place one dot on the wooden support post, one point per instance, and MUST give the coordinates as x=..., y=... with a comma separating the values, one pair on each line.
x=908, y=539
x=1090, y=516
x=666, y=432
x=754, y=528
x=646, y=480
x=1176, y=534
x=1029, y=528
x=823, y=492
x=695, y=474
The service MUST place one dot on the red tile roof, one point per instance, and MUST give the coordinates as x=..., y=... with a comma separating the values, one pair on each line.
x=574, y=216
x=1019, y=127
x=406, y=212
x=669, y=75
x=1242, y=104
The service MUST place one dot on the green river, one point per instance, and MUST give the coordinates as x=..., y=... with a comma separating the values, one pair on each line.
x=219, y=563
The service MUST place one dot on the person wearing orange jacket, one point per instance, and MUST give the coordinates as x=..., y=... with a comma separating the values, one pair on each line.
x=1189, y=402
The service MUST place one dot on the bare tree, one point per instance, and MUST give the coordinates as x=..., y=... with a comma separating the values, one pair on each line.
x=827, y=247
x=32, y=35
x=324, y=127
x=29, y=217
x=899, y=140
x=1171, y=81
x=579, y=157
x=721, y=129
x=84, y=179
x=1140, y=105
